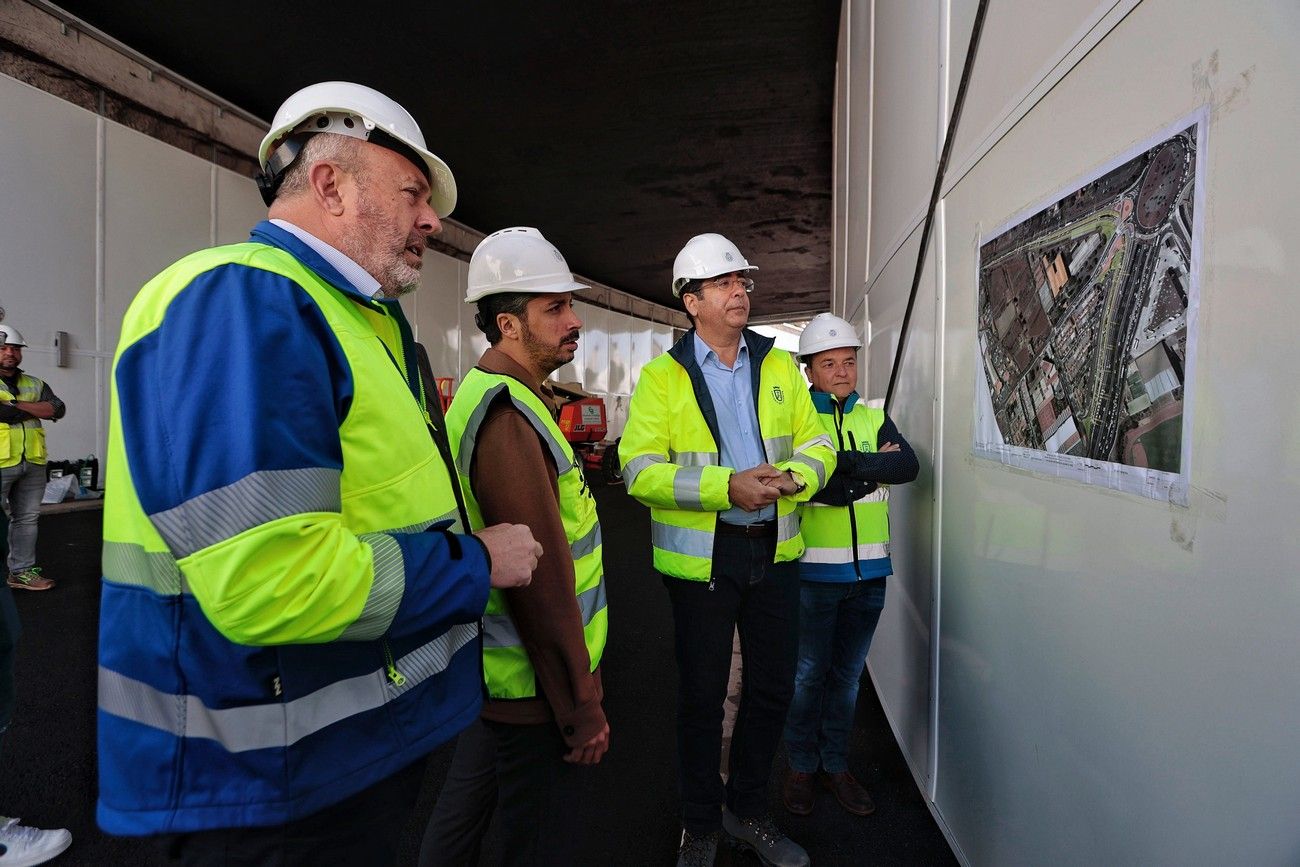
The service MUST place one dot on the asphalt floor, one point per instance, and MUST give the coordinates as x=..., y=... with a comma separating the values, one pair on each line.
x=625, y=809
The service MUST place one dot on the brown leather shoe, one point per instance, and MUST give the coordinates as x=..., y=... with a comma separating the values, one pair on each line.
x=797, y=793
x=849, y=793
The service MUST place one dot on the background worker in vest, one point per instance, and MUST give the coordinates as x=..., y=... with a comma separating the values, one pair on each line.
x=722, y=442
x=290, y=611
x=842, y=570
x=542, y=644
x=24, y=402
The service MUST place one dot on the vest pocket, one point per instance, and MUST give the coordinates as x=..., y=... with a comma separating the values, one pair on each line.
x=36, y=445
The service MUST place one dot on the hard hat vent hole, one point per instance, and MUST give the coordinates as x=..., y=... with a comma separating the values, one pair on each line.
x=322, y=122
x=347, y=122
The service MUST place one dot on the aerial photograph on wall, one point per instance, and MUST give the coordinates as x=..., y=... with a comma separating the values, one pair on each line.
x=1083, y=318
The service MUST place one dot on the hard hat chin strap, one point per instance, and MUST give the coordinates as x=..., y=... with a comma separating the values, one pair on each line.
x=277, y=164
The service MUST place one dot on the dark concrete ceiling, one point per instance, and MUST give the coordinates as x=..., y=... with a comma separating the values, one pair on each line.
x=620, y=129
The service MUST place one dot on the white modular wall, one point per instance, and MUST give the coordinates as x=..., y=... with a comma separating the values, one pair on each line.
x=1076, y=675
x=92, y=210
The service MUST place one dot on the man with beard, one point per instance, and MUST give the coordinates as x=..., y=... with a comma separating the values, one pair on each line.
x=722, y=443
x=24, y=402
x=542, y=644
x=290, y=611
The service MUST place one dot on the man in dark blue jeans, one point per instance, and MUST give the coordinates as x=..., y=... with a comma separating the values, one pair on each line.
x=19, y=845
x=843, y=568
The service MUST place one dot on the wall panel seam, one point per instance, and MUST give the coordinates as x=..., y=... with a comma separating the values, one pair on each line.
x=1099, y=24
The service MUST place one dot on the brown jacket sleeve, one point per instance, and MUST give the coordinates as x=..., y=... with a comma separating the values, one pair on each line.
x=514, y=480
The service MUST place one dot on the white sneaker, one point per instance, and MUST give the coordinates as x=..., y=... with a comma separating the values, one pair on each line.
x=22, y=847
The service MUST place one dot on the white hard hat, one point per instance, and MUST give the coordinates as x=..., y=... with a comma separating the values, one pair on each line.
x=10, y=336
x=706, y=256
x=827, y=331
x=359, y=112
x=518, y=260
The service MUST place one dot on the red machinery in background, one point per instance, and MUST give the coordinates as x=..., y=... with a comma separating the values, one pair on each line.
x=582, y=421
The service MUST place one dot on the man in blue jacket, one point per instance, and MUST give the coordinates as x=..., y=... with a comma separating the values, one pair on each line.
x=843, y=568
x=290, y=616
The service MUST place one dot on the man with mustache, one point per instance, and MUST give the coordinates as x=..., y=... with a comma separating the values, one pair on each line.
x=291, y=602
x=542, y=644
x=722, y=442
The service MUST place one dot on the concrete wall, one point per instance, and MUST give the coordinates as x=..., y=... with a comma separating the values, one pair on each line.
x=1076, y=675
x=92, y=210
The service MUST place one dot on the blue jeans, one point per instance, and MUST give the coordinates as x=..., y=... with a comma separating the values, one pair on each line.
x=836, y=623
x=22, y=485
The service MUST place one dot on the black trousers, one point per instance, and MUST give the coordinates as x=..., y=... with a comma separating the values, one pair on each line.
x=363, y=830
x=760, y=599
x=511, y=771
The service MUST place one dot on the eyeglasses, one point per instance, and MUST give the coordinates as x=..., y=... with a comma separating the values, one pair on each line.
x=726, y=283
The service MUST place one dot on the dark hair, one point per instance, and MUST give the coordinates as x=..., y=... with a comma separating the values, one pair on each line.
x=515, y=303
x=690, y=287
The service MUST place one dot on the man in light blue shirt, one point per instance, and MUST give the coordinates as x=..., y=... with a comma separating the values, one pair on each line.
x=733, y=401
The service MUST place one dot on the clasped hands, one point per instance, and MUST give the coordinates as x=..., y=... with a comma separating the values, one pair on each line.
x=760, y=486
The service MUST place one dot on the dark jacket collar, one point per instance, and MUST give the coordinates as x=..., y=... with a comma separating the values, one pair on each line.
x=825, y=401
x=683, y=352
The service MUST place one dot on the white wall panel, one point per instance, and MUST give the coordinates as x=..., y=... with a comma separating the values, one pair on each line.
x=620, y=352
x=47, y=245
x=1140, y=657
x=434, y=311
x=156, y=210
x=904, y=122
x=595, y=359
x=1112, y=670
x=1043, y=33
x=572, y=372
x=900, y=653
x=472, y=341
x=239, y=206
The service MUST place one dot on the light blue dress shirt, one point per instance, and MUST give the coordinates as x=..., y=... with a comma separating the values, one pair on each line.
x=733, y=400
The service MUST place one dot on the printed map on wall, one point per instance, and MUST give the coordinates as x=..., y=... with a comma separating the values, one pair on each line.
x=1086, y=323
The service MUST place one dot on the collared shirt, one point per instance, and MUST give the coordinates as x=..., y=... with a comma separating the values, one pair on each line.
x=741, y=447
x=352, y=272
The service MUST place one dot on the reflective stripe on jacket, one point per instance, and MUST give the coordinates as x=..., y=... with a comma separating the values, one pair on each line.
x=669, y=452
x=24, y=440
x=847, y=543
x=506, y=666
x=284, y=621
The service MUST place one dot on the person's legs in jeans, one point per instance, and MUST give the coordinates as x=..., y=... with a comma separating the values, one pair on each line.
x=24, y=485
x=769, y=643
x=818, y=612
x=703, y=624
x=856, y=624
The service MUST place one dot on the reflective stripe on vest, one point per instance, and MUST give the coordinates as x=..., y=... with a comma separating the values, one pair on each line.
x=276, y=724
x=24, y=440
x=506, y=666
x=829, y=534
x=404, y=485
x=665, y=408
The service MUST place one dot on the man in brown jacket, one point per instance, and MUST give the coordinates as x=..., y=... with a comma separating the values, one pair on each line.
x=542, y=643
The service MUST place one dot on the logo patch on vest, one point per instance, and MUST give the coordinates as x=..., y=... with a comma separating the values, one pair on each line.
x=777, y=394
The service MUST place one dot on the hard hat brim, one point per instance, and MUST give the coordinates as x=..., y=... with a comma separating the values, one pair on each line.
x=506, y=288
